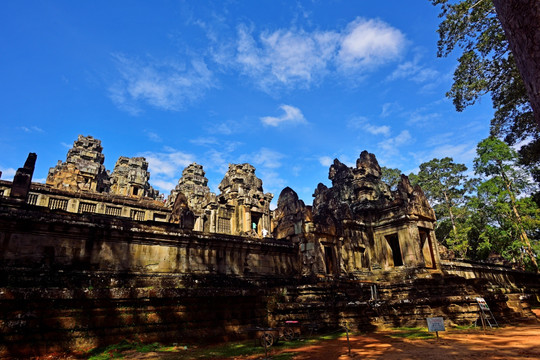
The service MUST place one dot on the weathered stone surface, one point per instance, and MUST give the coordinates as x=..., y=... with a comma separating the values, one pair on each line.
x=23, y=178
x=242, y=192
x=181, y=214
x=358, y=225
x=290, y=216
x=194, y=185
x=83, y=169
x=130, y=178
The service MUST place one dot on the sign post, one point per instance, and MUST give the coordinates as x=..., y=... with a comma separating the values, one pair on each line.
x=435, y=324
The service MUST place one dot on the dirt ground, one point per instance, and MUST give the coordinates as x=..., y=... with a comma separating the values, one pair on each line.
x=521, y=342
x=509, y=342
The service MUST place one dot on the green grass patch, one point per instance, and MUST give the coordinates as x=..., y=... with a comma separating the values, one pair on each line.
x=411, y=333
x=462, y=327
x=229, y=350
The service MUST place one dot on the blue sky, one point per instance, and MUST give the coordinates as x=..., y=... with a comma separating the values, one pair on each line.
x=286, y=86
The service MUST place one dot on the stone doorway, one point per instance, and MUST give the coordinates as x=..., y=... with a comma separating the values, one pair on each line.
x=427, y=248
x=393, y=241
x=329, y=260
x=256, y=222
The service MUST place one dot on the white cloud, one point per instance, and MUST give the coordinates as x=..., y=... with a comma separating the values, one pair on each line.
x=413, y=71
x=391, y=145
x=369, y=43
x=376, y=130
x=152, y=136
x=167, y=164
x=285, y=57
x=460, y=153
x=326, y=160
x=420, y=118
x=7, y=173
x=268, y=158
x=389, y=109
x=32, y=129
x=298, y=58
x=163, y=186
x=292, y=115
x=164, y=85
x=362, y=123
x=204, y=141
x=272, y=182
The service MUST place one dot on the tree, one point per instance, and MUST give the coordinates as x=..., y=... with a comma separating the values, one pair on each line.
x=445, y=184
x=487, y=66
x=390, y=176
x=520, y=20
x=503, y=182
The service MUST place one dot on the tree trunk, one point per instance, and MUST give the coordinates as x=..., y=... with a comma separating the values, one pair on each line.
x=520, y=20
x=523, y=234
x=454, y=229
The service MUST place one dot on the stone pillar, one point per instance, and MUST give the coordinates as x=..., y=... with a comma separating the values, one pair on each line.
x=23, y=178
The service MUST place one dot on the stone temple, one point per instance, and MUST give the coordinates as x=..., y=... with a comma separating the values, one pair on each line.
x=92, y=256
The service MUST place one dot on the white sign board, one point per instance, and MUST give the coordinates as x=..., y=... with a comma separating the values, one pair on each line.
x=435, y=324
x=482, y=303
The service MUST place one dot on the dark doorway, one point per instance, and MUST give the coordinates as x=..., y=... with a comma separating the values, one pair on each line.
x=393, y=241
x=255, y=219
x=427, y=249
x=329, y=260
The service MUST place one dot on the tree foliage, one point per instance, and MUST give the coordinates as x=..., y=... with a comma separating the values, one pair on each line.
x=445, y=184
x=503, y=182
x=390, y=176
x=486, y=66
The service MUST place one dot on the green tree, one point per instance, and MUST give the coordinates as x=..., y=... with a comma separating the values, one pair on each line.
x=487, y=66
x=504, y=181
x=390, y=176
x=445, y=185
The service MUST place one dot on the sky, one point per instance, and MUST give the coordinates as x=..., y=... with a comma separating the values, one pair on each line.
x=286, y=86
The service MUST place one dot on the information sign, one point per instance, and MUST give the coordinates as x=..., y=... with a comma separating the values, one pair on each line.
x=435, y=324
x=482, y=303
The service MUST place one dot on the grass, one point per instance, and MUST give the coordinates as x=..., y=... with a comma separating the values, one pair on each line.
x=229, y=350
x=413, y=333
x=116, y=351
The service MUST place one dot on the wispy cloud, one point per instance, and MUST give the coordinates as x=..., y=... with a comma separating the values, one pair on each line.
x=391, y=145
x=363, y=123
x=389, y=109
x=292, y=115
x=298, y=58
x=166, y=85
x=414, y=71
x=152, y=136
x=204, y=141
x=32, y=129
x=166, y=167
x=7, y=173
x=326, y=160
x=268, y=158
x=284, y=57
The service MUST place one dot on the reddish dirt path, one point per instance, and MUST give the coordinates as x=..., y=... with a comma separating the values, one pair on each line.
x=512, y=342
x=506, y=343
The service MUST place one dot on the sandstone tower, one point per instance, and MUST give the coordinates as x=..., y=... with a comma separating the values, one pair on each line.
x=83, y=169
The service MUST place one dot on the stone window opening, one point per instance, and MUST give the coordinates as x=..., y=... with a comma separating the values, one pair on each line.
x=135, y=191
x=393, y=241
